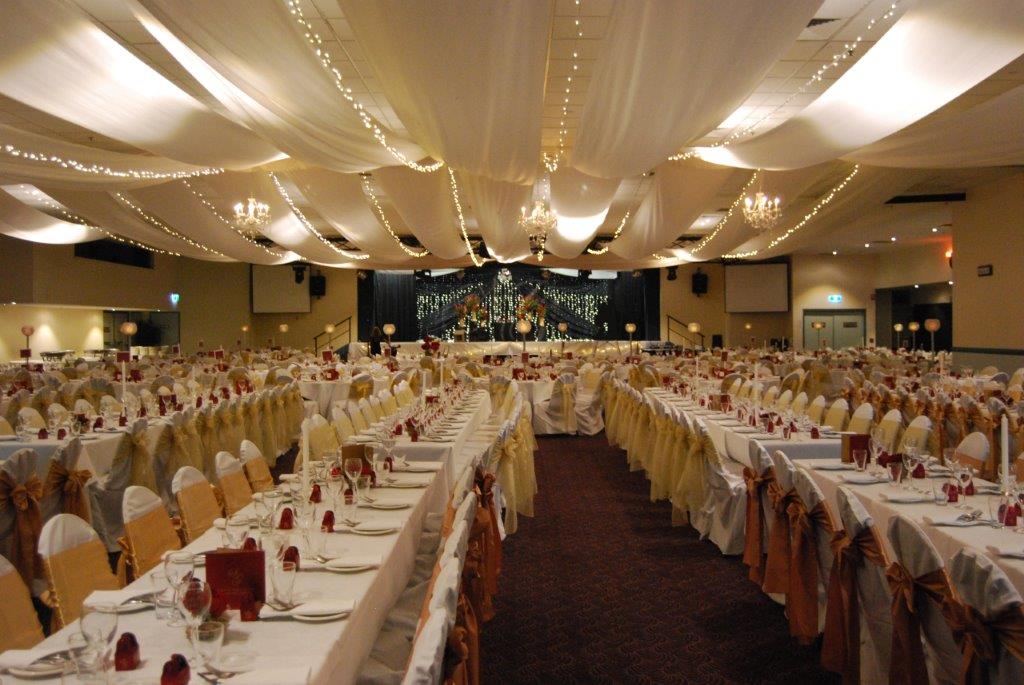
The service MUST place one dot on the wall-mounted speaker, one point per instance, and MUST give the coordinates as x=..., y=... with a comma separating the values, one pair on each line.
x=317, y=286
x=699, y=283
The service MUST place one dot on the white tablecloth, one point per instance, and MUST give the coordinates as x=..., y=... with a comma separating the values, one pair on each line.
x=331, y=652
x=947, y=540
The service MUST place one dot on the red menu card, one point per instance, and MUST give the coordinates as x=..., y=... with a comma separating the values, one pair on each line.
x=237, y=579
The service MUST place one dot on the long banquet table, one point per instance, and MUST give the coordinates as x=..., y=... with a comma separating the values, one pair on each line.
x=315, y=653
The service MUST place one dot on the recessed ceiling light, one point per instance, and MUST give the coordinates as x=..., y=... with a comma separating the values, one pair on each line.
x=893, y=239
x=935, y=229
x=835, y=252
x=867, y=244
x=916, y=285
x=950, y=282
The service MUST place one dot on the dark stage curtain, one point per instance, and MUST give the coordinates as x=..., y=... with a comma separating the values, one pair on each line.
x=394, y=301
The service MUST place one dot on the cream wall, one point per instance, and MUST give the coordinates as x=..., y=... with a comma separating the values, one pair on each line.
x=815, y=277
x=338, y=304
x=989, y=311
x=56, y=329
x=918, y=264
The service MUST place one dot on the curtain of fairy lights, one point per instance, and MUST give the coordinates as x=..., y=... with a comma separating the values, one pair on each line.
x=582, y=303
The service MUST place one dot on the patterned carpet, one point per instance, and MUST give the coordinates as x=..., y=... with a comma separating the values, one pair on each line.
x=600, y=588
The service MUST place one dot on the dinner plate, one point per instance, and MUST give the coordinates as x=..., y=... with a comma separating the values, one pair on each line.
x=234, y=662
x=386, y=505
x=411, y=468
x=373, y=531
x=326, y=618
x=350, y=569
x=36, y=671
x=406, y=486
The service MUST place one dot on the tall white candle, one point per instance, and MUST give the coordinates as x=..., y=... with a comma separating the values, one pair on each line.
x=124, y=382
x=305, y=458
x=1004, y=436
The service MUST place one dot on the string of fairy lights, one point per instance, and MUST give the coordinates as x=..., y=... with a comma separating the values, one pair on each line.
x=73, y=218
x=223, y=219
x=157, y=223
x=728, y=215
x=818, y=206
x=307, y=224
x=848, y=50
x=477, y=261
x=316, y=43
x=103, y=170
x=552, y=161
x=501, y=296
x=368, y=187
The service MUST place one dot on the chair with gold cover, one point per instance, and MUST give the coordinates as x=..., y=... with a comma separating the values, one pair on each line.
x=197, y=503
x=75, y=564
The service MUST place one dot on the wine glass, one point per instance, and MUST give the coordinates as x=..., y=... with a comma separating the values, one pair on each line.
x=194, y=605
x=236, y=529
x=178, y=567
x=99, y=624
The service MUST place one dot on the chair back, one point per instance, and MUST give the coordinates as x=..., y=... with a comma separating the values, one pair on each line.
x=918, y=431
x=891, y=425
x=64, y=489
x=233, y=484
x=148, y=530
x=357, y=418
x=784, y=400
x=861, y=420
x=19, y=624
x=984, y=588
x=21, y=493
x=31, y=418
x=973, y=451
x=255, y=466
x=837, y=415
x=799, y=405
x=816, y=411
x=197, y=503
x=369, y=417
x=914, y=552
x=75, y=563
x=426, y=664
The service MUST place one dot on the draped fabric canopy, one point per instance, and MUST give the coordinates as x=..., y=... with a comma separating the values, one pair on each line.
x=462, y=112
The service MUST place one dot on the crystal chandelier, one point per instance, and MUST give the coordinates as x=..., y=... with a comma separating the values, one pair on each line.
x=762, y=212
x=538, y=223
x=252, y=215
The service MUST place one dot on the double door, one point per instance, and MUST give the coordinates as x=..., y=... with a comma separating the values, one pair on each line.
x=838, y=328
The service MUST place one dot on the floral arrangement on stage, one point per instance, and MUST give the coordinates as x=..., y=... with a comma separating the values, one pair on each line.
x=532, y=307
x=471, y=310
x=430, y=345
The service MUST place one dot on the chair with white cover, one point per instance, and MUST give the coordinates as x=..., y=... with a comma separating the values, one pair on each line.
x=816, y=410
x=369, y=416
x=197, y=504
x=770, y=396
x=31, y=418
x=812, y=526
x=922, y=641
x=589, y=417
x=21, y=491
x=917, y=434
x=357, y=418
x=75, y=564
x=837, y=414
x=784, y=400
x=722, y=516
x=149, y=531
x=19, y=624
x=781, y=494
x=233, y=484
x=989, y=606
x=557, y=414
x=426, y=665
x=255, y=466
x=891, y=427
x=5, y=427
x=376, y=407
x=342, y=423
x=861, y=420
x=64, y=488
x=388, y=402
x=858, y=597
x=973, y=451
x=799, y=406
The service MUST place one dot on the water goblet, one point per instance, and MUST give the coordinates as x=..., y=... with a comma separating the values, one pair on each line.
x=178, y=567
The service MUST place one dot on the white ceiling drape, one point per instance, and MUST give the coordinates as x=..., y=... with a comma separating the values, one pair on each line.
x=671, y=71
x=932, y=54
x=340, y=200
x=425, y=204
x=27, y=170
x=18, y=220
x=497, y=206
x=102, y=209
x=465, y=77
x=989, y=134
x=581, y=203
x=253, y=57
x=680, y=192
x=173, y=203
x=94, y=82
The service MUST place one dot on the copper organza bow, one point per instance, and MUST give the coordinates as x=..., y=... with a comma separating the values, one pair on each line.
x=802, y=597
x=840, y=651
x=981, y=639
x=71, y=484
x=907, y=665
x=776, y=570
x=492, y=548
x=23, y=498
x=753, y=551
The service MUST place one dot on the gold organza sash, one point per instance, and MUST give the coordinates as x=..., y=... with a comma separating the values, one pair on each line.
x=753, y=551
x=19, y=625
x=908, y=665
x=23, y=498
x=198, y=507
x=73, y=575
x=258, y=473
x=802, y=597
x=235, y=489
x=71, y=486
x=776, y=571
x=147, y=538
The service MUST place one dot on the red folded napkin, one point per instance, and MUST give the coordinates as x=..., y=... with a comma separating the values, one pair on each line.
x=126, y=654
x=327, y=525
x=287, y=520
x=43, y=435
